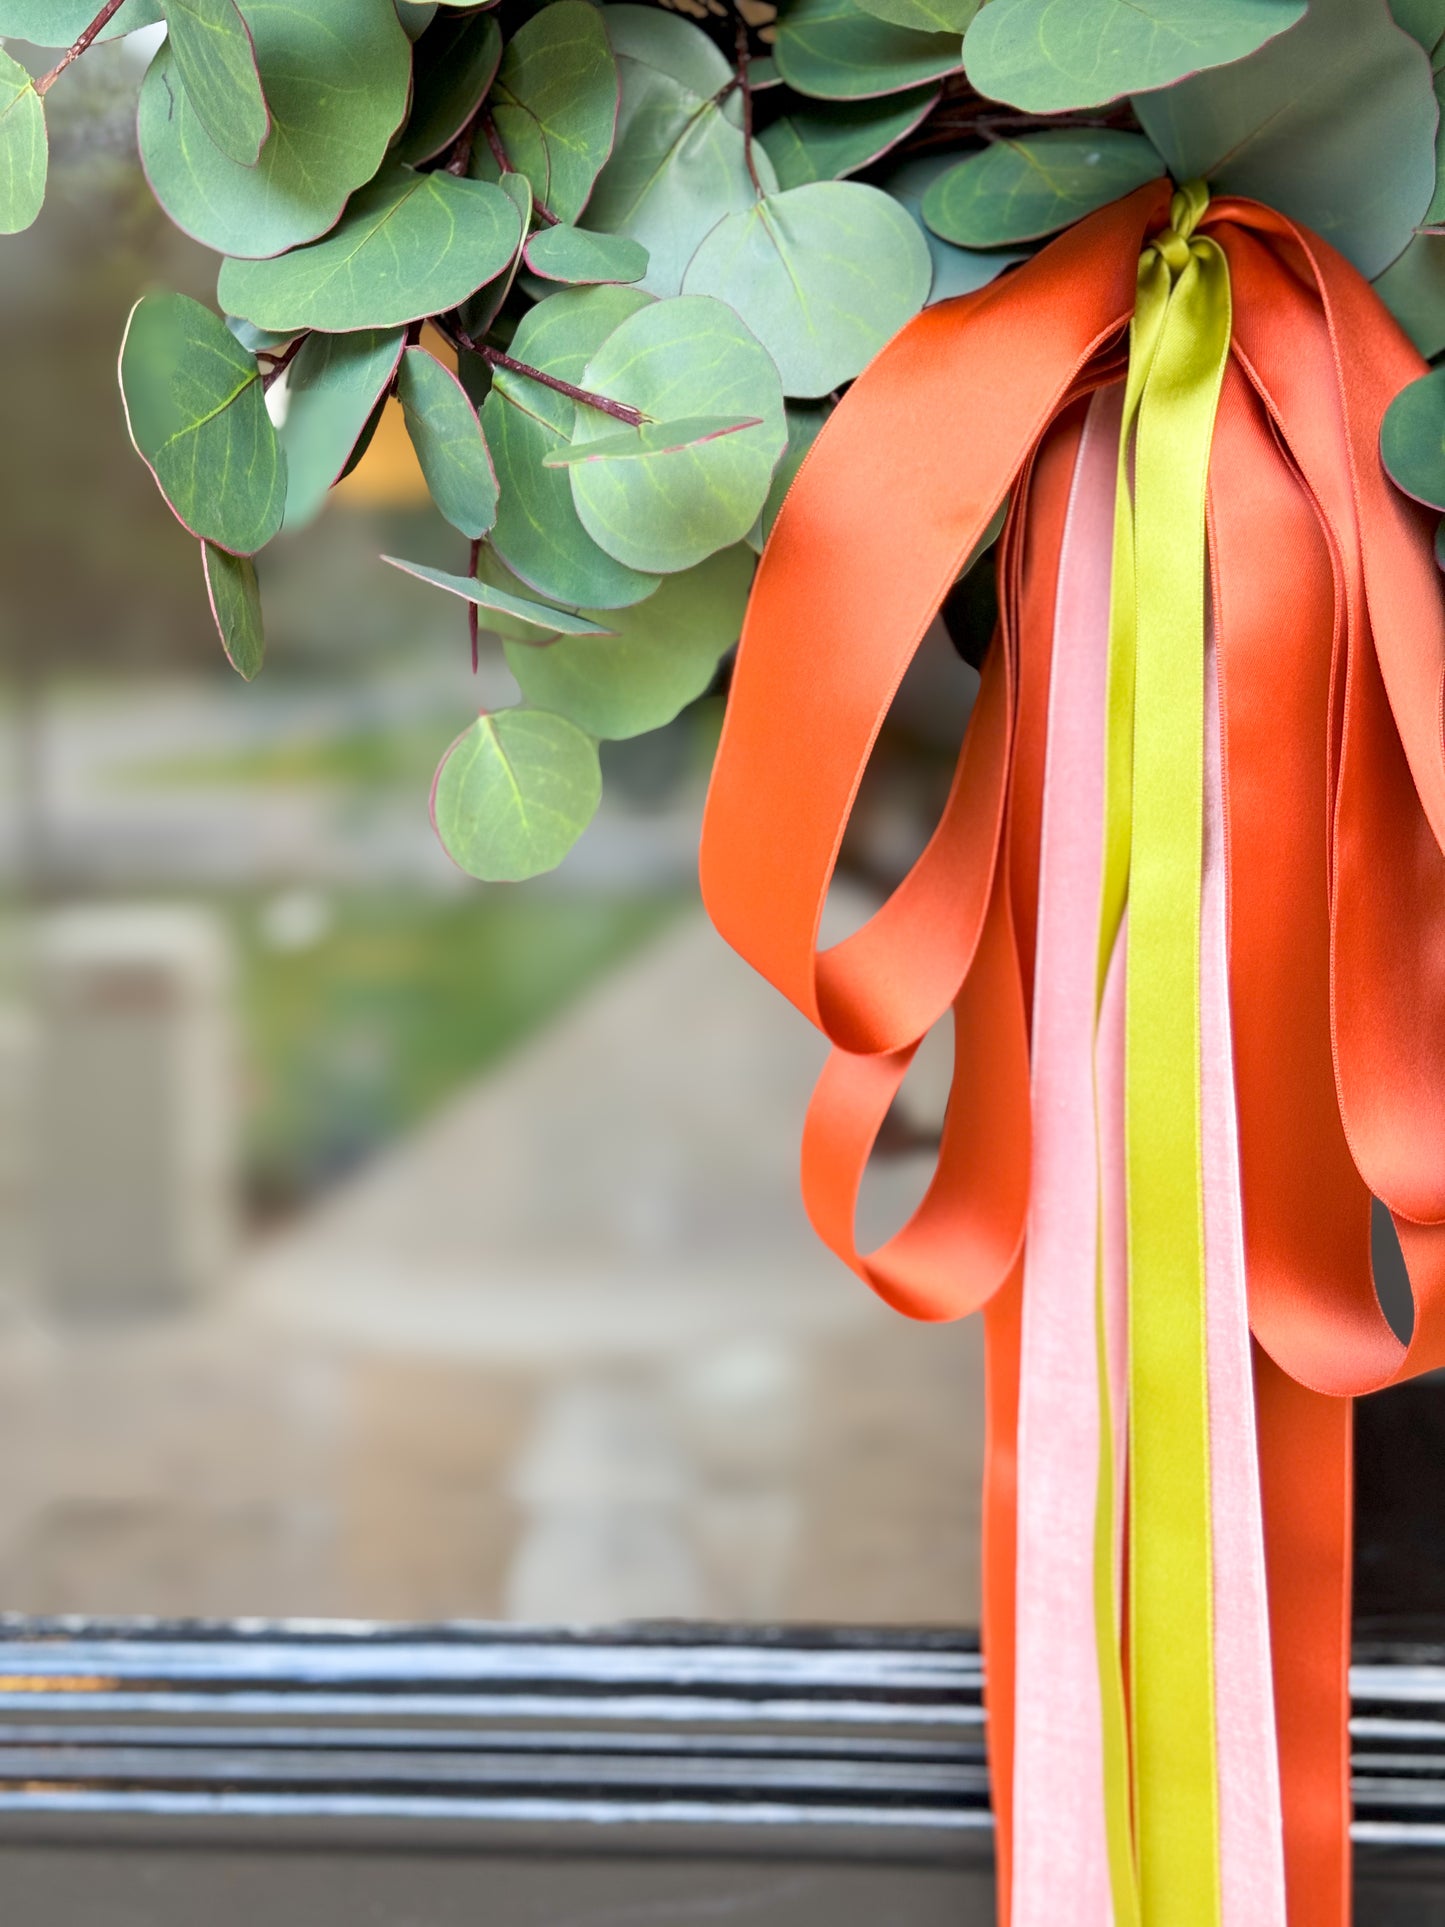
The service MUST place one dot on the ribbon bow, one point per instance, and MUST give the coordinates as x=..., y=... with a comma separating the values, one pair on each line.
x=1213, y=769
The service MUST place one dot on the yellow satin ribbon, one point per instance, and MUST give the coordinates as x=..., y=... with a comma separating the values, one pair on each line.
x=1159, y=1757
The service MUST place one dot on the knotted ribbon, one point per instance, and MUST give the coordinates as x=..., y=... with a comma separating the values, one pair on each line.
x=1297, y=832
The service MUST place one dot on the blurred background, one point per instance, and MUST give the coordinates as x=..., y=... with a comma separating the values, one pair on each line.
x=375, y=1243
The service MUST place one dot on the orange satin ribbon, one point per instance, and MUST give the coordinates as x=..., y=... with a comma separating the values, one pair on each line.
x=1331, y=640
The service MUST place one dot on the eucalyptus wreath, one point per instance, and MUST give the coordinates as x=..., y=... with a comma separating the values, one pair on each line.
x=616, y=263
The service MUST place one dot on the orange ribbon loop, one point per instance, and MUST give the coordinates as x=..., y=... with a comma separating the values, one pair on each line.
x=1331, y=657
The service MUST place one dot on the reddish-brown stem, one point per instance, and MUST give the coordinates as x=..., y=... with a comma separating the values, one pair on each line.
x=621, y=411
x=280, y=363
x=745, y=83
x=97, y=26
x=494, y=141
x=499, y=154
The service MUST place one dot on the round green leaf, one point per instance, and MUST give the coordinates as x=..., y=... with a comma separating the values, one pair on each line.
x=555, y=103
x=1440, y=544
x=416, y=16
x=513, y=794
x=538, y=533
x=1334, y=125
x=658, y=38
x=486, y=593
x=449, y=443
x=454, y=65
x=59, y=23
x=1413, y=289
x=1017, y=190
x=24, y=147
x=408, y=245
x=197, y=417
x=837, y=138
x=1412, y=439
x=662, y=657
x=235, y=597
x=955, y=270
x=679, y=163
x=833, y=50
x=217, y=66
x=578, y=255
x=824, y=275
x=480, y=310
x=1424, y=20
x=336, y=74
x=332, y=388
x=924, y=16
x=665, y=512
x=650, y=438
x=1047, y=57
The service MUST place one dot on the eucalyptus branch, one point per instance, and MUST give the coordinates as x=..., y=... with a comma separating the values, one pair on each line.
x=746, y=85
x=280, y=363
x=499, y=154
x=963, y=114
x=97, y=26
x=621, y=411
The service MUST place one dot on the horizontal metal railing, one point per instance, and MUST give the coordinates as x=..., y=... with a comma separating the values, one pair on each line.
x=694, y=1725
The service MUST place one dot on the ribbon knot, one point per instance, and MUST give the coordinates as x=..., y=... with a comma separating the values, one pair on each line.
x=1186, y=210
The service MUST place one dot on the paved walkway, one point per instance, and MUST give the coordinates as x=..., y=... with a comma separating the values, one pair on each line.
x=570, y=1352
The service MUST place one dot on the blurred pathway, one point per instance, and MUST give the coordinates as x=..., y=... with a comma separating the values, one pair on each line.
x=569, y=1352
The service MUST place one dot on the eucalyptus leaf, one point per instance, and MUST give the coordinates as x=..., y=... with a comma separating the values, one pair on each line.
x=1334, y=125
x=416, y=16
x=658, y=38
x=481, y=309
x=197, y=416
x=555, y=103
x=1047, y=56
x=216, y=62
x=332, y=388
x=235, y=597
x=485, y=595
x=24, y=147
x=1434, y=221
x=1423, y=20
x=823, y=275
x=955, y=270
x=449, y=443
x=454, y=65
x=833, y=50
x=408, y=245
x=832, y=139
x=805, y=422
x=652, y=438
x=663, y=513
x=662, y=657
x=1413, y=289
x=336, y=75
x=580, y=256
x=538, y=533
x=924, y=16
x=261, y=341
x=1412, y=439
x=59, y=23
x=513, y=794
x=679, y=163
x=1017, y=190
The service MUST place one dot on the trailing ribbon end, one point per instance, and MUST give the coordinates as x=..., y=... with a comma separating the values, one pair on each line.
x=1228, y=800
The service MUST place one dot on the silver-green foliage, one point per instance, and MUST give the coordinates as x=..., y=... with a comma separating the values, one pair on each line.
x=614, y=271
